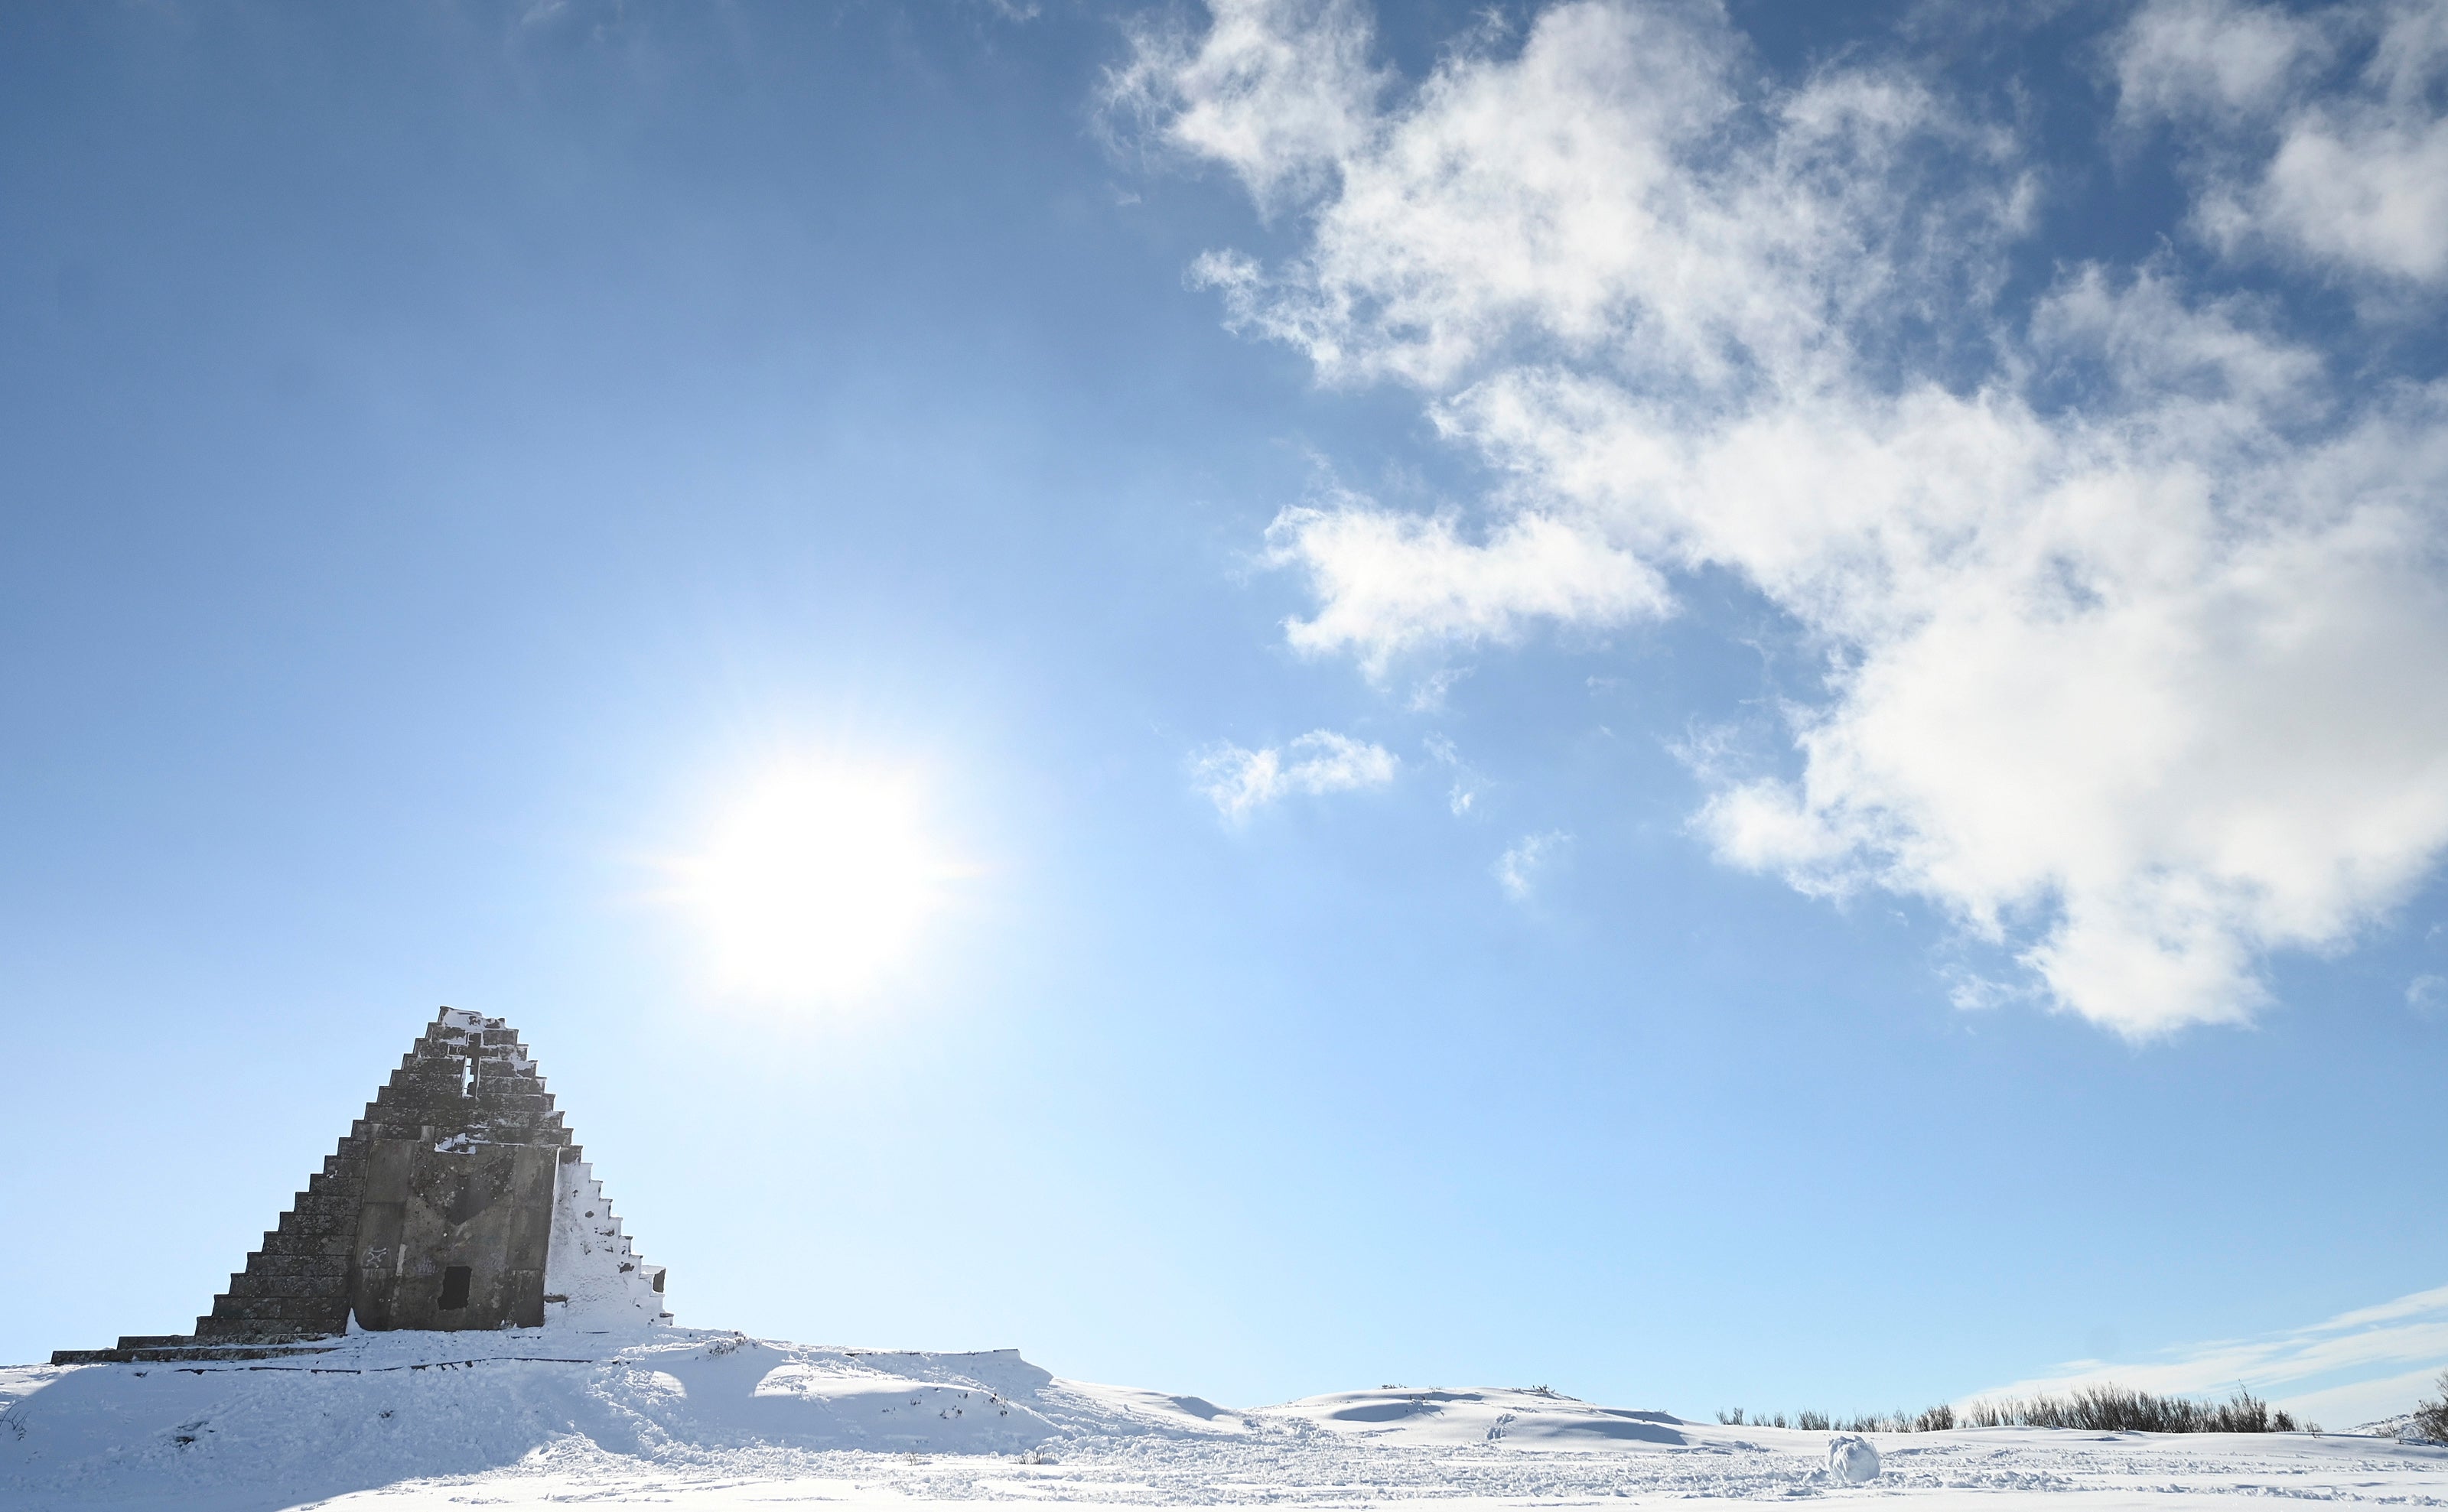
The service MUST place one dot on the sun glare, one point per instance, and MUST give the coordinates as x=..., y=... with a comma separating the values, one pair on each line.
x=815, y=883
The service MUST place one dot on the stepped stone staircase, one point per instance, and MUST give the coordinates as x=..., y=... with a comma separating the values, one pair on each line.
x=467, y=1081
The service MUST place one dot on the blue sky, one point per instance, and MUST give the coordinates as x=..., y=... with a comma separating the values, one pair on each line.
x=1714, y=707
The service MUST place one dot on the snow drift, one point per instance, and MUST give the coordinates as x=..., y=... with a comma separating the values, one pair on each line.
x=698, y=1418
x=390, y=1407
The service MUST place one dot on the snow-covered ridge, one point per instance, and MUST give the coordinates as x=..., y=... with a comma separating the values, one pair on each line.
x=709, y=1419
x=1532, y=1419
x=382, y=1407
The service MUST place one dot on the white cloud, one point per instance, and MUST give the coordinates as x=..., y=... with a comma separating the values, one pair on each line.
x=1428, y=695
x=2358, y=1367
x=1467, y=781
x=2184, y=58
x=2132, y=605
x=1240, y=782
x=2350, y=175
x=2428, y=996
x=1388, y=582
x=1277, y=91
x=1516, y=870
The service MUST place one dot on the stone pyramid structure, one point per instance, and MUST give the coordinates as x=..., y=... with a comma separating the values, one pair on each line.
x=458, y=1201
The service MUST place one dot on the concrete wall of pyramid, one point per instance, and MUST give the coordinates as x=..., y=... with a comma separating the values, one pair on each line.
x=458, y=1201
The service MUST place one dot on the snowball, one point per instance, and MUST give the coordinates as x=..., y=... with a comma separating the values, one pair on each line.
x=1851, y=1459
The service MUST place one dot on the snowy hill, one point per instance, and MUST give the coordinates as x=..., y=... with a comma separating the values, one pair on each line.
x=694, y=1418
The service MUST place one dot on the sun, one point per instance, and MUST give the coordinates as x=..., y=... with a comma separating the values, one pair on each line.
x=815, y=882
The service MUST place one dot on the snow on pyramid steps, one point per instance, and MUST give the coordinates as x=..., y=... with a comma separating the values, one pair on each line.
x=592, y=1274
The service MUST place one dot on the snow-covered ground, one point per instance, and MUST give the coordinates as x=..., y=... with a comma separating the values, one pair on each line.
x=693, y=1419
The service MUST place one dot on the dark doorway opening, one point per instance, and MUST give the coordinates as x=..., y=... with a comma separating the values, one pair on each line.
x=454, y=1286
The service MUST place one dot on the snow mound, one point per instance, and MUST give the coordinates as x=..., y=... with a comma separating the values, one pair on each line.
x=384, y=1407
x=1525, y=1419
x=1852, y=1460
x=696, y=1421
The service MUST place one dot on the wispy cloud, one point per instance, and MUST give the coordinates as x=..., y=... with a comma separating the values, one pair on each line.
x=2358, y=1367
x=1277, y=91
x=1516, y=870
x=1467, y=783
x=2317, y=137
x=1241, y=781
x=1429, y=695
x=2129, y=594
x=1390, y=582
